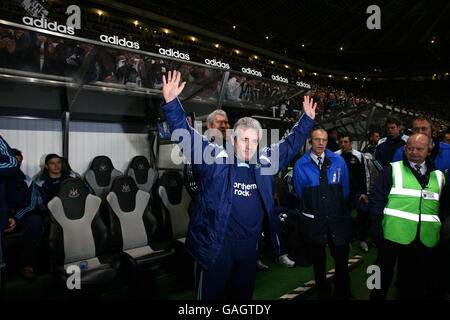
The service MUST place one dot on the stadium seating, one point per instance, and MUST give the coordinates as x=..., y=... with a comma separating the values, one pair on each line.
x=175, y=200
x=101, y=174
x=142, y=173
x=134, y=229
x=78, y=236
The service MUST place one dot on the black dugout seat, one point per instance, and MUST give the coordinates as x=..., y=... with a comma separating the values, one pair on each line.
x=78, y=235
x=133, y=227
x=142, y=173
x=175, y=204
x=101, y=174
x=133, y=232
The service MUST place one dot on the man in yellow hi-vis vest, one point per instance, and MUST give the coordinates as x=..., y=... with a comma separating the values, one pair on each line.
x=406, y=218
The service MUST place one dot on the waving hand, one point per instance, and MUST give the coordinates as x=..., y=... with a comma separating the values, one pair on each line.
x=309, y=108
x=171, y=87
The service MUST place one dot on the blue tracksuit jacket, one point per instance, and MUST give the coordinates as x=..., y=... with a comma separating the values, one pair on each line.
x=212, y=208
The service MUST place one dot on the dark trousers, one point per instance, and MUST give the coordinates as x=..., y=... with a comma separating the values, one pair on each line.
x=2, y=265
x=32, y=226
x=233, y=273
x=342, y=277
x=361, y=225
x=416, y=270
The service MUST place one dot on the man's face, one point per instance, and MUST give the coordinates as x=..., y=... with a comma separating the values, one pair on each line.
x=19, y=159
x=417, y=149
x=422, y=126
x=446, y=138
x=220, y=123
x=393, y=130
x=319, y=141
x=246, y=143
x=374, y=138
x=346, y=144
x=54, y=166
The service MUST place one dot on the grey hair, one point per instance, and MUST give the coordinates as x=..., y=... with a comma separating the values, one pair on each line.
x=212, y=115
x=247, y=122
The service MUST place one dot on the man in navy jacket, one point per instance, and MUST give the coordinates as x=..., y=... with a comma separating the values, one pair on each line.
x=8, y=168
x=236, y=188
x=387, y=146
x=321, y=182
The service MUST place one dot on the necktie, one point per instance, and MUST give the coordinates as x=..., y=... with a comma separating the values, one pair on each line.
x=319, y=162
x=418, y=170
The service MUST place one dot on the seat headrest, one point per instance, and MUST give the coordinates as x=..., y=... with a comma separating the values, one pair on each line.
x=73, y=193
x=102, y=167
x=173, y=183
x=125, y=188
x=140, y=165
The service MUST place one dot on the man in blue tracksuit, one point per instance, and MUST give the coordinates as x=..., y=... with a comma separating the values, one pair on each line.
x=321, y=181
x=8, y=168
x=236, y=188
x=22, y=198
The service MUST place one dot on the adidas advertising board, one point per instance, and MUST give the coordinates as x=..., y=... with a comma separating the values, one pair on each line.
x=303, y=85
x=43, y=23
x=174, y=53
x=280, y=78
x=219, y=64
x=252, y=72
x=120, y=42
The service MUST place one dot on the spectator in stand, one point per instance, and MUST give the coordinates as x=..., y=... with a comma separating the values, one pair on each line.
x=234, y=88
x=374, y=137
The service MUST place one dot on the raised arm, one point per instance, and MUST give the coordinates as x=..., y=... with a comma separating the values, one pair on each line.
x=190, y=141
x=281, y=153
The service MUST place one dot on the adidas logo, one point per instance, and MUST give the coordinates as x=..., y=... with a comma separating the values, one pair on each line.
x=219, y=64
x=43, y=23
x=303, y=85
x=280, y=78
x=103, y=167
x=121, y=42
x=174, y=53
x=252, y=72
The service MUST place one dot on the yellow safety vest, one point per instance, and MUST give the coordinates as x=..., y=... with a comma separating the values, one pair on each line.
x=408, y=204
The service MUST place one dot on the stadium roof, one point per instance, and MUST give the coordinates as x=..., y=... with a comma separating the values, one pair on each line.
x=333, y=35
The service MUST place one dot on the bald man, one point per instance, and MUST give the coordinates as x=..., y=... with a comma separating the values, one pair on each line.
x=406, y=217
x=321, y=182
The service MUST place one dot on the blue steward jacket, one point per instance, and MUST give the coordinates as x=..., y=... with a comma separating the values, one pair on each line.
x=323, y=207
